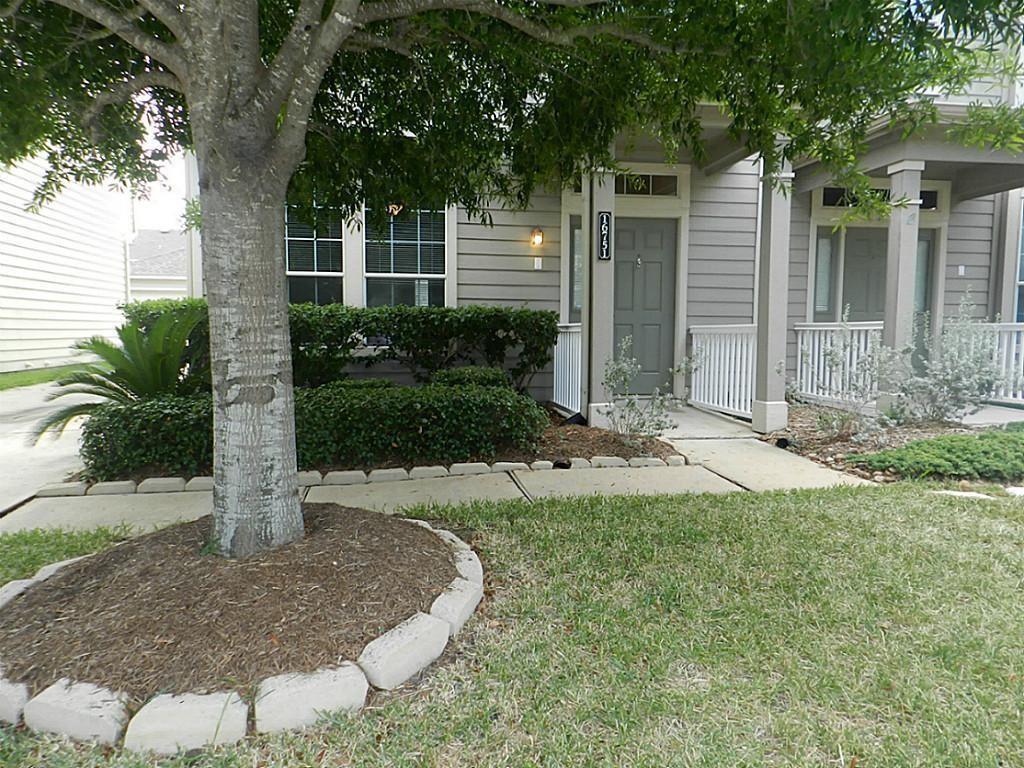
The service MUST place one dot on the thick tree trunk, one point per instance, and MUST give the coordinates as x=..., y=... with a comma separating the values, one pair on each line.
x=255, y=502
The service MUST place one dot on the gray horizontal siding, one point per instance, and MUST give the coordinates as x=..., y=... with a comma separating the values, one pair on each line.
x=721, y=252
x=799, y=255
x=969, y=245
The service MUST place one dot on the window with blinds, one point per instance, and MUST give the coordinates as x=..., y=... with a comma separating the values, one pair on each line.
x=313, y=255
x=405, y=259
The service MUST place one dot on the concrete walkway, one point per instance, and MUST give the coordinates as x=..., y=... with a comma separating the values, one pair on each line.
x=25, y=468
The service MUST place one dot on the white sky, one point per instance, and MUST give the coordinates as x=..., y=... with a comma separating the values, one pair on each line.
x=166, y=202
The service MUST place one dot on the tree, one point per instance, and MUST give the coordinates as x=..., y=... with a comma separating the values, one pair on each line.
x=428, y=102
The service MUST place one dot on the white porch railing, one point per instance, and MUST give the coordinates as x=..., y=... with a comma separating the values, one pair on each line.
x=723, y=357
x=568, y=364
x=830, y=368
x=1010, y=356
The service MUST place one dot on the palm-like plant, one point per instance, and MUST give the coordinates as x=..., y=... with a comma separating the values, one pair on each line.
x=145, y=364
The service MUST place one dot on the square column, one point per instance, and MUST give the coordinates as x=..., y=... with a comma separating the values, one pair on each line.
x=901, y=256
x=598, y=311
x=770, y=411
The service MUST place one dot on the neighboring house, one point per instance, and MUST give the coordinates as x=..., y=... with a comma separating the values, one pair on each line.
x=63, y=270
x=710, y=261
x=158, y=265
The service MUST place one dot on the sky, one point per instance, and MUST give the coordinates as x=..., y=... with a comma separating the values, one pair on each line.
x=166, y=203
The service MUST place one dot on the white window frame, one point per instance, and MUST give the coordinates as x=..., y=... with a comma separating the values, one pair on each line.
x=314, y=239
x=828, y=217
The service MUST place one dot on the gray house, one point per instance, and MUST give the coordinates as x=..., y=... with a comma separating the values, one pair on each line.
x=713, y=262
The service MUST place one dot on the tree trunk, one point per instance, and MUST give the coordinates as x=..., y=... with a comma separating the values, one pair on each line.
x=255, y=499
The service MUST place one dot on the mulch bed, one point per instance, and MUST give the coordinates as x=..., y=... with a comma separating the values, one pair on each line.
x=806, y=436
x=157, y=615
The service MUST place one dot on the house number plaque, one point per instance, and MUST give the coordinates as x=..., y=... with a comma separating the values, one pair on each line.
x=604, y=235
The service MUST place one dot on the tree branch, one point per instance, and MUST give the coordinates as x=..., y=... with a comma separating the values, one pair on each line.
x=123, y=26
x=168, y=14
x=388, y=10
x=123, y=91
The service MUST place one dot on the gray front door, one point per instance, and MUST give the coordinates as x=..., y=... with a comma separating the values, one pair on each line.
x=645, y=297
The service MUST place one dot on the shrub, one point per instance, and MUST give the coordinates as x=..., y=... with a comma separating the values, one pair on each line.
x=997, y=455
x=422, y=339
x=472, y=374
x=345, y=423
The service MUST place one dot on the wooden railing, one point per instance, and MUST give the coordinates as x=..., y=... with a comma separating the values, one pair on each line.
x=1010, y=356
x=722, y=375
x=832, y=360
x=568, y=364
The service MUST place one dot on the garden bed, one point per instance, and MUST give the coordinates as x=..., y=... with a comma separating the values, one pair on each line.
x=158, y=613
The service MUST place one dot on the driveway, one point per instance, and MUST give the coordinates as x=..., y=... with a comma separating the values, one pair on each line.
x=25, y=468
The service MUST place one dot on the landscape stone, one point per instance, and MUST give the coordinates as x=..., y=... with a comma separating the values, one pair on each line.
x=579, y=463
x=510, y=466
x=171, y=723
x=608, y=461
x=400, y=653
x=200, y=483
x=457, y=603
x=646, y=461
x=111, y=488
x=48, y=570
x=468, y=566
x=293, y=701
x=81, y=711
x=1015, y=491
x=470, y=468
x=12, y=589
x=422, y=473
x=13, y=697
x=63, y=489
x=310, y=477
x=162, y=485
x=388, y=475
x=346, y=477
x=451, y=539
x=675, y=461
x=542, y=465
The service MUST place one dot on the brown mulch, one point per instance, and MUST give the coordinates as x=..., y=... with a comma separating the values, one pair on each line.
x=805, y=435
x=157, y=615
x=561, y=442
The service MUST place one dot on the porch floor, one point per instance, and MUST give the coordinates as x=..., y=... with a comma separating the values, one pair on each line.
x=696, y=424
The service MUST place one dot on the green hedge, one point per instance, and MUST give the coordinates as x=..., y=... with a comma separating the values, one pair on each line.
x=344, y=424
x=997, y=455
x=472, y=374
x=422, y=339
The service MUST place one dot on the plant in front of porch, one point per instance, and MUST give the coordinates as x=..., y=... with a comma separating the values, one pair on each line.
x=632, y=414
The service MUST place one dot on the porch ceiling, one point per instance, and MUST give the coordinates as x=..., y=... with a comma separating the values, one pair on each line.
x=972, y=171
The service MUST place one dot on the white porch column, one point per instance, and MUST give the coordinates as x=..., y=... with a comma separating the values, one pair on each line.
x=599, y=309
x=901, y=256
x=770, y=411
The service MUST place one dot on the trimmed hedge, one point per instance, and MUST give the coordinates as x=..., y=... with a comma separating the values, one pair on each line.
x=472, y=374
x=997, y=455
x=346, y=424
x=422, y=339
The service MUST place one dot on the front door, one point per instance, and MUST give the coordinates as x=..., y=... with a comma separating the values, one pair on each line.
x=645, y=297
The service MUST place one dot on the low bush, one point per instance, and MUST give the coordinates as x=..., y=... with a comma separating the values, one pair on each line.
x=343, y=424
x=424, y=340
x=997, y=455
x=472, y=374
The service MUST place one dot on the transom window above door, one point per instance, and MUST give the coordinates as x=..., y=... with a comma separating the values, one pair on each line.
x=405, y=259
x=647, y=184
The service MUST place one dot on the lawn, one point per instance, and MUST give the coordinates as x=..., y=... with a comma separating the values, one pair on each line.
x=35, y=376
x=850, y=628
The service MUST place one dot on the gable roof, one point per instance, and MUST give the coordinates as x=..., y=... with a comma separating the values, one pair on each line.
x=159, y=252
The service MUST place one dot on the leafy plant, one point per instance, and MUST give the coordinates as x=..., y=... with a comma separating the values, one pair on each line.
x=146, y=364
x=472, y=374
x=997, y=455
x=629, y=413
x=347, y=423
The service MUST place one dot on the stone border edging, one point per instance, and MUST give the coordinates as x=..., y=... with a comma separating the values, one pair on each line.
x=309, y=478
x=170, y=723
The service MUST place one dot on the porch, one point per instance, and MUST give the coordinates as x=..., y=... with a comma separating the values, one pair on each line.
x=831, y=365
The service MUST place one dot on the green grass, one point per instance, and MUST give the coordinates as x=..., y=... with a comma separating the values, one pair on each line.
x=996, y=455
x=852, y=627
x=23, y=553
x=35, y=376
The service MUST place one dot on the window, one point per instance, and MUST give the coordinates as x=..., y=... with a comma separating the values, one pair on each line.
x=647, y=184
x=1019, y=309
x=313, y=257
x=826, y=259
x=576, y=257
x=840, y=197
x=405, y=259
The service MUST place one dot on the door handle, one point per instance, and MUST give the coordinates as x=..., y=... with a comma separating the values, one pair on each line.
x=638, y=262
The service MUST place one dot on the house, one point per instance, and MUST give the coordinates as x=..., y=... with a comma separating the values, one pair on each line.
x=750, y=278
x=158, y=265
x=63, y=270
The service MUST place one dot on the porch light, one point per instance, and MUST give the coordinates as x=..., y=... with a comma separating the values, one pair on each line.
x=394, y=209
x=537, y=237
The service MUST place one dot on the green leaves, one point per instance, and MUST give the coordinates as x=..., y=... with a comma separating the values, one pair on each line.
x=997, y=455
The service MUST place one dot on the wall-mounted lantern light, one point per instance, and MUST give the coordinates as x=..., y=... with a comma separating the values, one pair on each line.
x=394, y=209
x=537, y=237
